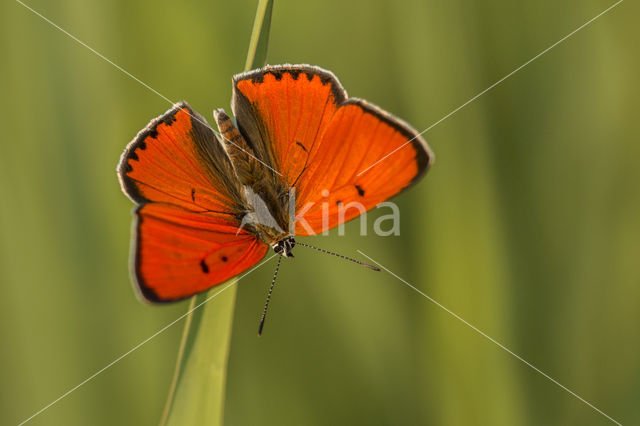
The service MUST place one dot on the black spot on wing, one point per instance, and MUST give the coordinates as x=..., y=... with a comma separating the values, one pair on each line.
x=360, y=190
x=204, y=267
x=193, y=195
x=224, y=258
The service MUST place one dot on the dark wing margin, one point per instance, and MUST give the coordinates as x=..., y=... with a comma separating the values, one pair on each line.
x=424, y=154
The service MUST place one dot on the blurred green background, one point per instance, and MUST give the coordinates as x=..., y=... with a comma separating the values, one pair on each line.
x=528, y=226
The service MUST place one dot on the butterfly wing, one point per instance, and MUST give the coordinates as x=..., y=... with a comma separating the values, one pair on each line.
x=178, y=159
x=187, y=236
x=283, y=110
x=359, y=136
x=179, y=253
x=325, y=143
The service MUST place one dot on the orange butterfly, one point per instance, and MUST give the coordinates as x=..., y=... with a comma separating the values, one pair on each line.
x=210, y=205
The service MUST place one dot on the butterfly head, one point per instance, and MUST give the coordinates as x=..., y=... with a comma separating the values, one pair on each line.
x=284, y=246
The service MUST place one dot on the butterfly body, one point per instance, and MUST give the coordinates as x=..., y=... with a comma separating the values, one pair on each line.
x=265, y=194
x=210, y=205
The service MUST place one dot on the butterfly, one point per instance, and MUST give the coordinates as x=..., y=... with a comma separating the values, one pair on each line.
x=211, y=204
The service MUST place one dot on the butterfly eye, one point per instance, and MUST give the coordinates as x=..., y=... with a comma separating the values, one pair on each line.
x=290, y=243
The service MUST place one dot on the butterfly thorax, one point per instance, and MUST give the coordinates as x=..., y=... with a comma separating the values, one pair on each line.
x=266, y=196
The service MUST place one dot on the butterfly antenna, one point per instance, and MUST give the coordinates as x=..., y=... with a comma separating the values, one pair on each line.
x=375, y=268
x=266, y=304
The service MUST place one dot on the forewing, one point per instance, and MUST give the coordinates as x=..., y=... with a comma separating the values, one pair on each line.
x=299, y=118
x=283, y=111
x=179, y=253
x=177, y=159
x=360, y=135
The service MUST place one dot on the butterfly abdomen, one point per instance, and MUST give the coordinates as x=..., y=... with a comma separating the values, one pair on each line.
x=244, y=161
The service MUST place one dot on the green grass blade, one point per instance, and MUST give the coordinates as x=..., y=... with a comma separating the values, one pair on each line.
x=197, y=392
x=257, y=55
x=179, y=360
x=200, y=389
